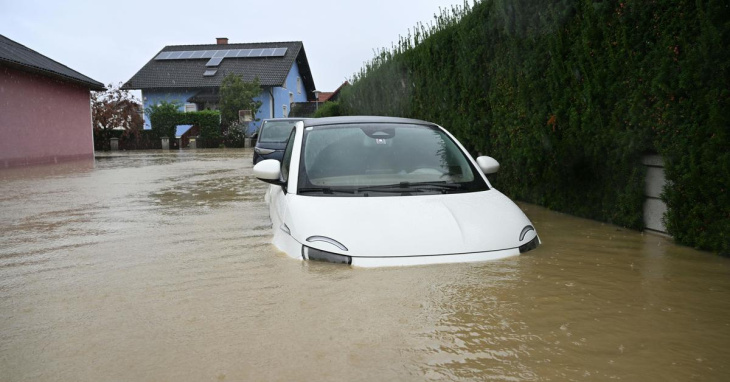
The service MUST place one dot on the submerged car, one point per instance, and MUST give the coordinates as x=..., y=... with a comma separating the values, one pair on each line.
x=379, y=191
x=272, y=137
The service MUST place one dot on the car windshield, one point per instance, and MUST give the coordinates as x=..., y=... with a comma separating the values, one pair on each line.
x=383, y=159
x=276, y=131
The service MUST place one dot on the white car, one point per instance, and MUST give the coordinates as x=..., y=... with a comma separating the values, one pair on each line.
x=379, y=191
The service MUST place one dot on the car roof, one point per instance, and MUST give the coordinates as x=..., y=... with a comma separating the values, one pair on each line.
x=284, y=119
x=363, y=119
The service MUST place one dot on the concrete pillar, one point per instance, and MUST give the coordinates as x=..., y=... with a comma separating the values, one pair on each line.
x=114, y=143
x=192, y=143
x=165, y=143
x=654, y=207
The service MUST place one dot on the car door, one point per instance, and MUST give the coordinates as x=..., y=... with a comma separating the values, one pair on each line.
x=279, y=205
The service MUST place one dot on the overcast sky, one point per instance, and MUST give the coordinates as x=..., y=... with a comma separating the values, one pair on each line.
x=110, y=41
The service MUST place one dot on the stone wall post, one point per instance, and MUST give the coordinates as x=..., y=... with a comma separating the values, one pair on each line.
x=165, y=143
x=114, y=143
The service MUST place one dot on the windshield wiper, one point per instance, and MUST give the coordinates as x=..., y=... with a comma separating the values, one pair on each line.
x=440, y=184
x=393, y=188
x=324, y=190
x=408, y=187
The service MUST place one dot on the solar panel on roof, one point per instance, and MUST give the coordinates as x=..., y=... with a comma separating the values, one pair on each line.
x=215, y=61
x=229, y=53
x=210, y=72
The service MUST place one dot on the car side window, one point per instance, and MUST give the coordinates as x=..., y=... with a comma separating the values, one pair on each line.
x=286, y=161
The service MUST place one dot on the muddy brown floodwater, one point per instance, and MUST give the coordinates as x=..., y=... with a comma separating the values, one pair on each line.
x=154, y=266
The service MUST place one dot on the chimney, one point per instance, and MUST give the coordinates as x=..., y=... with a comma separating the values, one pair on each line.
x=221, y=40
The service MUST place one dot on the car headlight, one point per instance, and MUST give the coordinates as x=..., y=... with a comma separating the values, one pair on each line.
x=319, y=255
x=530, y=245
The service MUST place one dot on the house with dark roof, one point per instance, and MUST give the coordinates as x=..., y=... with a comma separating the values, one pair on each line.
x=45, y=108
x=192, y=75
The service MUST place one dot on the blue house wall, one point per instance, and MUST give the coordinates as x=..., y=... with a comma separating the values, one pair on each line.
x=273, y=99
x=281, y=96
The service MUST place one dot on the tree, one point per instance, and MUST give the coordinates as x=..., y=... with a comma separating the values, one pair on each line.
x=236, y=94
x=112, y=109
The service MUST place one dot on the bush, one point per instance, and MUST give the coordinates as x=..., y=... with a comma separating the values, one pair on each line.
x=207, y=120
x=165, y=117
x=234, y=136
x=328, y=109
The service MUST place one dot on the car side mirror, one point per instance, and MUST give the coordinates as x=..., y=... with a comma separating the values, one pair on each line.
x=488, y=165
x=269, y=171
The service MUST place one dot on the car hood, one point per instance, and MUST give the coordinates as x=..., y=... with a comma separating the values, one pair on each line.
x=409, y=225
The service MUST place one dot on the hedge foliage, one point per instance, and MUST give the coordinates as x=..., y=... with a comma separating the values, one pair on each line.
x=165, y=116
x=328, y=109
x=569, y=94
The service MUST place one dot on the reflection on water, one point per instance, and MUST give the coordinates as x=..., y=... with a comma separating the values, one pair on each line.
x=154, y=266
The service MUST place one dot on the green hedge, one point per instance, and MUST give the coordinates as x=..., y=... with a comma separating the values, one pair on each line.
x=328, y=109
x=568, y=95
x=209, y=122
x=165, y=116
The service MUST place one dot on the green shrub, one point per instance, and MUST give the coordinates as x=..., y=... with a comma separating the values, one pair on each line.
x=328, y=109
x=207, y=120
x=234, y=135
x=164, y=117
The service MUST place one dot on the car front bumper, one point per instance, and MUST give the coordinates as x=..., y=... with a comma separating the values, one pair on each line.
x=296, y=250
